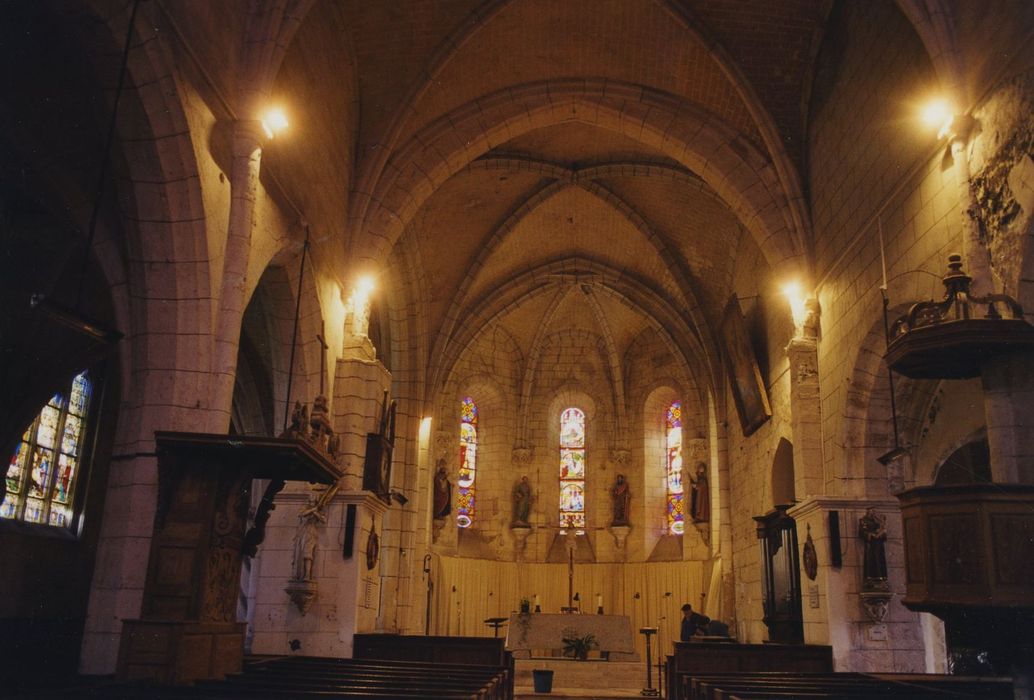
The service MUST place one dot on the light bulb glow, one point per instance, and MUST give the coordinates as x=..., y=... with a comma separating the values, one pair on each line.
x=938, y=114
x=365, y=285
x=274, y=121
x=795, y=296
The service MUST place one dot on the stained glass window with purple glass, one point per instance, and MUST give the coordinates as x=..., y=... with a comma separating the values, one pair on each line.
x=673, y=468
x=572, y=470
x=42, y=471
x=468, y=462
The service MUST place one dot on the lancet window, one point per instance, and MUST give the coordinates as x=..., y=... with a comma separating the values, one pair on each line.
x=675, y=505
x=44, y=469
x=468, y=462
x=572, y=470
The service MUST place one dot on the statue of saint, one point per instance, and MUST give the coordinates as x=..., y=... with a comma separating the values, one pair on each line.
x=299, y=427
x=873, y=531
x=321, y=431
x=306, y=538
x=622, y=501
x=700, y=499
x=521, y=502
x=442, y=503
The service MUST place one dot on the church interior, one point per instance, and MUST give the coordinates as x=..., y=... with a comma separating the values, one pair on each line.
x=328, y=319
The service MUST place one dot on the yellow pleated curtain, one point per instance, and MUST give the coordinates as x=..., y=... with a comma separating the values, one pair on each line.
x=468, y=591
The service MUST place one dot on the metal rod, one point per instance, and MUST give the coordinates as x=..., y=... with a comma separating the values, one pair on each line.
x=570, y=578
x=294, y=332
x=430, y=589
x=890, y=372
x=106, y=155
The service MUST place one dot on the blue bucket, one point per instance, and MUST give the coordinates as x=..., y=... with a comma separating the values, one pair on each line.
x=543, y=679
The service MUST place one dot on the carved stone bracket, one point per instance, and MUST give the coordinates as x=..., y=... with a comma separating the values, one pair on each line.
x=875, y=605
x=302, y=594
x=621, y=459
x=436, y=528
x=521, y=456
x=704, y=528
x=620, y=533
x=520, y=539
x=443, y=444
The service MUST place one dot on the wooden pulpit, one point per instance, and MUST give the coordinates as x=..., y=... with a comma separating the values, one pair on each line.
x=188, y=628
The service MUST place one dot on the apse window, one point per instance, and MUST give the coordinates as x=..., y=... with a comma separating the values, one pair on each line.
x=673, y=468
x=572, y=471
x=468, y=462
x=45, y=468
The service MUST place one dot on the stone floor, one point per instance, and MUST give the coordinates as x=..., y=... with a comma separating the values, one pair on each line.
x=584, y=679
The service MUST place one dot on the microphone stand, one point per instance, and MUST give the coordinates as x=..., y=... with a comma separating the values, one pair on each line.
x=430, y=589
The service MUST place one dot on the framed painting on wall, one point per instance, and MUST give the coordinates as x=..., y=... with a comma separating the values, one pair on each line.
x=748, y=391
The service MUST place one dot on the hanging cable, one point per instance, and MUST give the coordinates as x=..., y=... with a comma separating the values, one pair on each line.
x=106, y=154
x=294, y=332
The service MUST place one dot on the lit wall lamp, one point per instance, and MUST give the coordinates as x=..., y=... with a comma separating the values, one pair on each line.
x=940, y=114
x=274, y=121
x=803, y=309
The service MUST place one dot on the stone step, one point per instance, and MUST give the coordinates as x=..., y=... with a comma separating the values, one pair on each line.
x=586, y=676
x=576, y=694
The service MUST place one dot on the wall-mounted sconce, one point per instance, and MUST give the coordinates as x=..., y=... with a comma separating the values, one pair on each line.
x=274, y=121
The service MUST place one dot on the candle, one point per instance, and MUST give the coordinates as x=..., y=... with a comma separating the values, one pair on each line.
x=536, y=600
x=599, y=600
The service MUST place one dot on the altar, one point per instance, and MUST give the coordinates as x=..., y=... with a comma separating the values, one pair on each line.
x=528, y=632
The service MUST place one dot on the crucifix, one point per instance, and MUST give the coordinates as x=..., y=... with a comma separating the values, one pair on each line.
x=323, y=355
x=570, y=577
x=572, y=597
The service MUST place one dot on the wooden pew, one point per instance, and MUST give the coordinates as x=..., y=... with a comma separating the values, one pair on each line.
x=718, y=657
x=854, y=686
x=474, y=651
x=315, y=677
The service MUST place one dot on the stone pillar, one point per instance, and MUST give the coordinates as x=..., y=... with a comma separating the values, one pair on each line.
x=359, y=575
x=359, y=389
x=244, y=184
x=805, y=416
x=1008, y=384
x=832, y=607
x=359, y=386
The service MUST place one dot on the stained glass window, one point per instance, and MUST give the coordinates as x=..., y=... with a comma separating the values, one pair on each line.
x=673, y=468
x=45, y=465
x=572, y=470
x=468, y=462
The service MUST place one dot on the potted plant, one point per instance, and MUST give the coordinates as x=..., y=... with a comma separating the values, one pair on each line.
x=579, y=647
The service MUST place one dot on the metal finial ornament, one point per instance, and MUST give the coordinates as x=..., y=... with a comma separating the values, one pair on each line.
x=954, y=337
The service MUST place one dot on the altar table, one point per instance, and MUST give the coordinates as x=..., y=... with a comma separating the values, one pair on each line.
x=528, y=631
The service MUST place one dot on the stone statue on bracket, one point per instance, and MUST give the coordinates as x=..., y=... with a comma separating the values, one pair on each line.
x=622, y=498
x=306, y=537
x=442, y=501
x=700, y=497
x=872, y=529
x=522, y=499
x=302, y=586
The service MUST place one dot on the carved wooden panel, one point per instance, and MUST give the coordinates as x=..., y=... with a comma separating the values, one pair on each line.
x=914, y=549
x=956, y=557
x=1013, y=542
